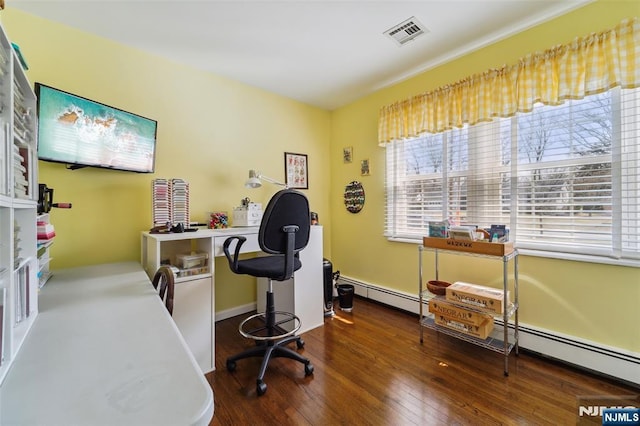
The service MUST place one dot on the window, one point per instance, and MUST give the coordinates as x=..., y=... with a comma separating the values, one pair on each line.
x=563, y=178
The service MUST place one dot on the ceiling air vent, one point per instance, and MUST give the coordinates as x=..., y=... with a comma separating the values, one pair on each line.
x=406, y=31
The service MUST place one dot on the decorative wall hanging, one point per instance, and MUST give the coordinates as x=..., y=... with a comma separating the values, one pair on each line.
x=364, y=167
x=354, y=197
x=296, y=170
x=347, y=154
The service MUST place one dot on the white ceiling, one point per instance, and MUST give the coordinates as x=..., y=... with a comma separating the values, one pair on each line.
x=324, y=53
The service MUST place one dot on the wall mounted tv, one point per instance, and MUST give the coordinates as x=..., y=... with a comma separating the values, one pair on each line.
x=83, y=133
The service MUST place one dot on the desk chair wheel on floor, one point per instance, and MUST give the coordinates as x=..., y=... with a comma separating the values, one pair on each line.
x=284, y=232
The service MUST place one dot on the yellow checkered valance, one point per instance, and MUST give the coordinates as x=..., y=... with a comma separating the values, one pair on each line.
x=588, y=65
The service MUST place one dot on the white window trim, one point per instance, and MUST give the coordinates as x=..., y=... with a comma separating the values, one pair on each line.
x=628, y=125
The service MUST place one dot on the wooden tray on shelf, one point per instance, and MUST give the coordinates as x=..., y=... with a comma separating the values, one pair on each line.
x=479, y=247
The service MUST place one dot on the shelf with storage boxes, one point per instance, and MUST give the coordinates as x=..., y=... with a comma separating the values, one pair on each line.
x=192, y=264
x=187, y=253
x=190, y=255
x=460, y=318
x=18, y=206
x=18, y=276
x=471, y=312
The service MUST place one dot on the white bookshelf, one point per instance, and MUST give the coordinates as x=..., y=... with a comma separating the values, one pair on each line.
x=18, y=205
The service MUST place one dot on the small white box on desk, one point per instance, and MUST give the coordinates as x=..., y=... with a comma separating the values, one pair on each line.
x=248, y=215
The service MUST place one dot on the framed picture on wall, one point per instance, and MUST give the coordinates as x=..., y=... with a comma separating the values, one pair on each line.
x=296, y=170
x=347, y=154
x=365, y=169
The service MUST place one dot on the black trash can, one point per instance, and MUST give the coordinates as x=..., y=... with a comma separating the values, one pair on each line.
x=345, y=297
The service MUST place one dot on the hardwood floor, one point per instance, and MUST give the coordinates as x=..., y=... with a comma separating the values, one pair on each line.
x=370, y=369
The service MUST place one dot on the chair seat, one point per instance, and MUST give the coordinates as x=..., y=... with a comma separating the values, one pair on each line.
x=266, y=266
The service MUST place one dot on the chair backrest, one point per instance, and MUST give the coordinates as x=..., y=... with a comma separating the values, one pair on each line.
x=164, y=282
x=286, y=207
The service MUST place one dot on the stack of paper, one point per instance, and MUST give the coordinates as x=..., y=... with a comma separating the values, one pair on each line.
x=180, y=201
x=161, y=198
x=45, y=231
x=170, y=199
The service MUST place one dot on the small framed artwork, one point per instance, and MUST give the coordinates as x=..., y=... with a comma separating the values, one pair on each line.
x=365, y=168
x=347, y=154
x=296, y=170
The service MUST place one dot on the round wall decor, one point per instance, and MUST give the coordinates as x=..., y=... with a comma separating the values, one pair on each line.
x=354, y=197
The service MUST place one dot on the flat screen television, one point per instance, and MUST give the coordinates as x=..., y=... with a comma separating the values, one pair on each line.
x=84, y=133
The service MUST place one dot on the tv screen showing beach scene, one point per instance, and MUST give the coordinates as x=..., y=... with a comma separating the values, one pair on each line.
x=80, y=132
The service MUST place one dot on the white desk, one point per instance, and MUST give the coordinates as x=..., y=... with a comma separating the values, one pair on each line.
x=194, y=304
x=104, y=351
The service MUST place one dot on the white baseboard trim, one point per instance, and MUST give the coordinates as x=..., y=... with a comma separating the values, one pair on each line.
x=599, y=358
x=235, y=311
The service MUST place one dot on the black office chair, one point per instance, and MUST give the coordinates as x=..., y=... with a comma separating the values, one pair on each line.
x=164, y=282
x=284, y=231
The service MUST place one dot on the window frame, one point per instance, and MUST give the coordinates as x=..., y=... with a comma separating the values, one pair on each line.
x=625, y=130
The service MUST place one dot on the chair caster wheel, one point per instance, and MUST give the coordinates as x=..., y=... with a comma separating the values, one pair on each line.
x=261, y=387
x=300, y=343
x=231, y=366
x=308, y=369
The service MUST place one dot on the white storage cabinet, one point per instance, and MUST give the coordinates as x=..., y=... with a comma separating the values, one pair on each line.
x=18, y=205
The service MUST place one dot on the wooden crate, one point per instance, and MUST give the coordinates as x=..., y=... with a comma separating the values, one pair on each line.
x=476, y=296
x=479, y=247
x=481, y=331
x=456, y=312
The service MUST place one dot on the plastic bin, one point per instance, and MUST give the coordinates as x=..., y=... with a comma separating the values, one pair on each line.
x=193, y=260
x=345, y=297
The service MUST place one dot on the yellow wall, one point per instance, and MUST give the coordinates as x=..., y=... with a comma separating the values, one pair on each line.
x=591, y=301
x=211, y=131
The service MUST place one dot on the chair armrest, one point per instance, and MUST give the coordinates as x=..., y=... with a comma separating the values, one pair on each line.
x=233, y=260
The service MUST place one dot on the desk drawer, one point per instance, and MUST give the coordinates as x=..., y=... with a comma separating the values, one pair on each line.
x=251, y=245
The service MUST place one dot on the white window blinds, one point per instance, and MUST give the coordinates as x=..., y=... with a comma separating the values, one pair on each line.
x=563, y=178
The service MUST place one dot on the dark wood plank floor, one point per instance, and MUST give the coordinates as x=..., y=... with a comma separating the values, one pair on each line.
x=370, y=369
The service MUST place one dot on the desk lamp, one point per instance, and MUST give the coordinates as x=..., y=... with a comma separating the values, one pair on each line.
x=255, y=180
